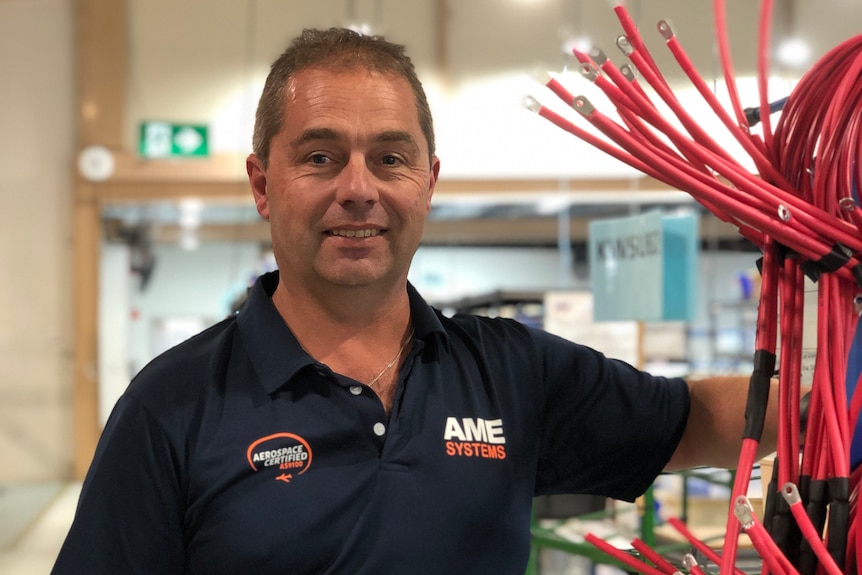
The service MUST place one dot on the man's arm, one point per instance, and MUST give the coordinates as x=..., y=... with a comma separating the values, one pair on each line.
x=713, y=432
x=128, y=519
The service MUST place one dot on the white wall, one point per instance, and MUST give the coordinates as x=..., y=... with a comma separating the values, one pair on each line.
x=36, y=147
x=196, y=289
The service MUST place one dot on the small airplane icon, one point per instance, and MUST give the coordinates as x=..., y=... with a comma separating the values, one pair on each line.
x=286, y=477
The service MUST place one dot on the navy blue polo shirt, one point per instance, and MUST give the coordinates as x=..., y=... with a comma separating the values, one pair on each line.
x=237, y=452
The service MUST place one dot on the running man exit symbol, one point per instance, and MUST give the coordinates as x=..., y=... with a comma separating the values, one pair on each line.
x=166, y=140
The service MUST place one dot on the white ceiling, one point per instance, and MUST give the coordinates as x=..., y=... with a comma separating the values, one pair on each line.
x=204, y=60
x=490, y=35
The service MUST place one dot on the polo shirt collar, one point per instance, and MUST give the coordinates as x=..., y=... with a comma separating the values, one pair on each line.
x=275, y=352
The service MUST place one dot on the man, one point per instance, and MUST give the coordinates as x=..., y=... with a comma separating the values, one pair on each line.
x=338, y=424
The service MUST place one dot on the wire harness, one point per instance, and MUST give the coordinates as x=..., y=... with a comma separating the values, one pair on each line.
x=800, y=206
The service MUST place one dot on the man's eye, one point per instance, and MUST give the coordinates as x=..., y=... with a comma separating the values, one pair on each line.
x=390, y=160
x=318, y=159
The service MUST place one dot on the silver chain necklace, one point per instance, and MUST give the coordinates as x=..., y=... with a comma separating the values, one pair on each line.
x=394, y=359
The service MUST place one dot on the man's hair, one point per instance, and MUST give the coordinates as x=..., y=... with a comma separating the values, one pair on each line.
x=333, y=49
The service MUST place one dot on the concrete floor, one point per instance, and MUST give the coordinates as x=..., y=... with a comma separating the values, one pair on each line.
x=33, y=550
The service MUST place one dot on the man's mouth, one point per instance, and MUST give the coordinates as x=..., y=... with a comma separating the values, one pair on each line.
x=355, y=233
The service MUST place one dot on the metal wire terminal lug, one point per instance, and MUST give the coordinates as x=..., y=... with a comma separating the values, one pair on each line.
x=624, y=45
x=784, y=213
x=598, y=55
x=541, y=76
x=665, y=29
x=532, y=104
x=857, y=304
x=790, y=493
x=629, y=72
x=582, y=105
x=589, y=72
x=743, y=511
x=688, y=561
x=847, y=204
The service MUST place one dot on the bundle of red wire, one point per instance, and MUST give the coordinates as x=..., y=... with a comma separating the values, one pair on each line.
x=801, y=209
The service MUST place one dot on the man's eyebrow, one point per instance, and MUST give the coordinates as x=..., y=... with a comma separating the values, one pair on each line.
x=390, y=136
x=316, y=134
x=397, y=136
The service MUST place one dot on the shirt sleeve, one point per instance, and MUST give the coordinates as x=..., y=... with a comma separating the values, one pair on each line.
x=609, y=429
x=129, y=516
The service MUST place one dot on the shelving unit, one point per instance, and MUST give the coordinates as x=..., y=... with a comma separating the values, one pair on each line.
x=732, y=343
x=551, y=530
x=567, y=535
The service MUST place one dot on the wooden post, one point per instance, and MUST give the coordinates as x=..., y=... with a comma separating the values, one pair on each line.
x=101, y=75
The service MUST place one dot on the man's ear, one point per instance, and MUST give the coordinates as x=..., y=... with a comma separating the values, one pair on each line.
x=257, y=179
x=432, y=181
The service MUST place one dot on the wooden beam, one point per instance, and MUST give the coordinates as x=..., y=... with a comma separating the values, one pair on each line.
x=148, y=192
x=226, y=168
x=473, y=232
x=101, y=75
x=85, y=390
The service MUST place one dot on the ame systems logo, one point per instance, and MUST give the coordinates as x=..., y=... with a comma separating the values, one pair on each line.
x=475, y=437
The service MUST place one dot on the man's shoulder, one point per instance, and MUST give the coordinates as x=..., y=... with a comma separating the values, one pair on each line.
x=491, y=332
x=476, y=324
x=186, y=368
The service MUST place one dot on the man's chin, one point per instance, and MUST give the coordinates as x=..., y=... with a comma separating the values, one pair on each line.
x=355, y=278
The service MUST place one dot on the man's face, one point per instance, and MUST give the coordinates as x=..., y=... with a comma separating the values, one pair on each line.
x=349, y=181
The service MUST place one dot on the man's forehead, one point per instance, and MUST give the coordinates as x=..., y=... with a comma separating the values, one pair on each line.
x=338, y=73
x=309, y=86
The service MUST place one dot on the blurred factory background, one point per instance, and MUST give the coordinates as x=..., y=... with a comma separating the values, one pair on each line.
x=113, y=248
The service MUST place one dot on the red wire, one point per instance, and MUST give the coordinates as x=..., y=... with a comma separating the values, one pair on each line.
x=634, y=37
x=757, y=155
x=809, y=163
x=766, y=547
x=747, y=456
x=660, y=86
x=653, y=556
x=791, y=350
x=702, y=547
x=562, y=93
x=794, y=375
x=630, y=95
x=827, y=563
x=727, y=61
x=599, y=143
x=791, y=233
x=839, y=352
x=622, y=556
x=695, y=569
x=824, y=379
x=763, y=40
x=821, y=222
x=766, y=332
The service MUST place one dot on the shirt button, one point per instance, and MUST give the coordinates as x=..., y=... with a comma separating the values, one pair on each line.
x=355, y=389
x=379, y=429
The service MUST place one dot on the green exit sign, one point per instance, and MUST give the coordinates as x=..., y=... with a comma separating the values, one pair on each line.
x=166, y=140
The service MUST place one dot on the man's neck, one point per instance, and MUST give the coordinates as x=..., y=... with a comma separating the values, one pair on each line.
x=324, y=318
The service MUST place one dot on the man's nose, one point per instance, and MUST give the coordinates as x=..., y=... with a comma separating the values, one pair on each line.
x=358, y=183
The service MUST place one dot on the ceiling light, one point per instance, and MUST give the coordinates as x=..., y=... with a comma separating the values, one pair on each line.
x=579, y=43
x=793, y=52
x=190, y=213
